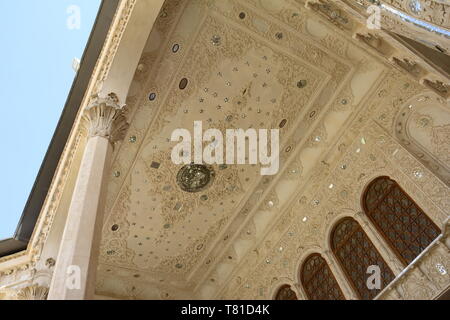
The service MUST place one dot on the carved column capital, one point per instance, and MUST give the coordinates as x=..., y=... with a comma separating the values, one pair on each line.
x=104, y=117
x=33, y=292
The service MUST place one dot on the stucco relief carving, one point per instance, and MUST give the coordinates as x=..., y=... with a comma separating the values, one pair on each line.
x=422, y=126
x=439, y=135
x=375, y=41
x=426, y=279
x=436, y=12
x=313, y=229
x=387, y=44
x=33, y=292
x=113, y=40
x=439, y=87
x=293, y=234
x=333, y=13
x=104, y=117
x=409, y=66
x=379, y=155
x=288, y=77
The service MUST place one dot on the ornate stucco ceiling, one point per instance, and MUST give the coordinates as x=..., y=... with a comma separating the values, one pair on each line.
x=248, y=64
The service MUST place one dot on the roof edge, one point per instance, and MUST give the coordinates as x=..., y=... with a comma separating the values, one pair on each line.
x=49, y=165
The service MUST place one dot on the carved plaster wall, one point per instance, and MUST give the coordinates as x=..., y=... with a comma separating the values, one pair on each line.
x=259, y=64
x=366, y=150
x=254, y=64
x=422, y=126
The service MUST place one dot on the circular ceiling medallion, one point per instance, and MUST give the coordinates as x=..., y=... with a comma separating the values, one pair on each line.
x=195, y=177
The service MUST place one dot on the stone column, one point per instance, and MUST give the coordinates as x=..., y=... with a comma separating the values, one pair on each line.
x=76, y=264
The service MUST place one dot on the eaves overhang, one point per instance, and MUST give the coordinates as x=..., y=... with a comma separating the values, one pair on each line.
x=38, y=194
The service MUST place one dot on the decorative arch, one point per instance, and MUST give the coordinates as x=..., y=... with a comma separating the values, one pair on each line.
x=422, y=126
x=318, y=280
x=355, y=254
x=401, y=222
x=285, y=293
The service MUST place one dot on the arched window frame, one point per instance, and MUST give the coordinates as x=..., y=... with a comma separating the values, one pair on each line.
x=349, y=279
x=302, y=279
x=282, y=287
x=375, y=223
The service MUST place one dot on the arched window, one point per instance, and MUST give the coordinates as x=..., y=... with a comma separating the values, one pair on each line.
x=318, y=280
x=286, y=293
x=356, y=253
x=406, y=228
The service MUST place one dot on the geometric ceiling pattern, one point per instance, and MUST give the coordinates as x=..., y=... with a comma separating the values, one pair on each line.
x=259, y=64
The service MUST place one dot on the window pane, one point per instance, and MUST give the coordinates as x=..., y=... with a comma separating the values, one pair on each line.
x=318, y=280
x=406, y=228
x=286, y=293
x=355, y=252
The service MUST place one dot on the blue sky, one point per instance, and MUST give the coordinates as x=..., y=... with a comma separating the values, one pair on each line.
x=36, y=74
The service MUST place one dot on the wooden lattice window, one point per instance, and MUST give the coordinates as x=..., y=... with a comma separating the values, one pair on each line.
x=356, y=253
x=406, y=228
x=318, y=280
x=286, y=293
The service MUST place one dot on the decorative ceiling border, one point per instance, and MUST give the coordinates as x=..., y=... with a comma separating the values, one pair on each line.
x=321, y=46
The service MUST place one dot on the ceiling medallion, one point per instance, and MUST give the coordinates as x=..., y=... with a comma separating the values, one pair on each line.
x=195, y=177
